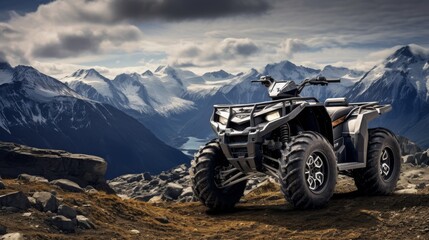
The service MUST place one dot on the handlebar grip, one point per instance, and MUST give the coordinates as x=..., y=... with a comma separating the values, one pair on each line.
x=333, y=80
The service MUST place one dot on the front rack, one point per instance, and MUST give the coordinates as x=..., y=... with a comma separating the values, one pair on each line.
x=288, y=102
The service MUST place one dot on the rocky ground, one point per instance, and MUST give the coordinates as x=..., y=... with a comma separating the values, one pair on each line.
x=80, y=206
x=262, y=214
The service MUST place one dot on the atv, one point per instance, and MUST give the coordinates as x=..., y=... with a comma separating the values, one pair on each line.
x=299, y=141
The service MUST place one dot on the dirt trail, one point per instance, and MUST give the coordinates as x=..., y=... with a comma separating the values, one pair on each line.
x=263, y=214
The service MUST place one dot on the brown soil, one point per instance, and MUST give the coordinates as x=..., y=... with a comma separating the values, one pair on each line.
x=263, y=214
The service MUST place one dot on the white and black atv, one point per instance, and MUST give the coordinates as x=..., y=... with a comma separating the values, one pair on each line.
x=298, y=140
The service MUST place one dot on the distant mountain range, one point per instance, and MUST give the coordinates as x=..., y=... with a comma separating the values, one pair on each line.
x=85, y=111
x=176, y=103
x=40, y=111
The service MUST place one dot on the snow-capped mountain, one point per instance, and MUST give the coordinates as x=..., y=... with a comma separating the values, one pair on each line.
x=40, y=111
x=217, y=75
x=93, y=85
x=402, y=80
x=175, y=103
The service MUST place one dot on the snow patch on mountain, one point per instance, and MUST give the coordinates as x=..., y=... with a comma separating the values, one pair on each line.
x=92, y=78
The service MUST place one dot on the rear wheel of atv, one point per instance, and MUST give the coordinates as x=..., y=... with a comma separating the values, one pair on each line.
x=205, y=177
x=383, y=167
x=308, y=171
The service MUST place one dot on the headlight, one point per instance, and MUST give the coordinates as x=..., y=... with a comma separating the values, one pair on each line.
x=223, y=120
x=272, y=116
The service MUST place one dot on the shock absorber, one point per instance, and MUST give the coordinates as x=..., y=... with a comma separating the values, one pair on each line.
x=284, y=133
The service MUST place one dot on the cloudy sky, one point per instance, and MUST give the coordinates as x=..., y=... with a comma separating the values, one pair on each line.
x=60, y=36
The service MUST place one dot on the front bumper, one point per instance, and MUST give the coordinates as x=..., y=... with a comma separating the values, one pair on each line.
x=243, y=147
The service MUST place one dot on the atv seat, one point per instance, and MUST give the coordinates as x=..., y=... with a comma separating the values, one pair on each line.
x=337, y=108
x=336, y=112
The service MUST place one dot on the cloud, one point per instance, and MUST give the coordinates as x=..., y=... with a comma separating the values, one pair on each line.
x=185, y=9
x=214, y=53
x=292, y=45
x=69, y=45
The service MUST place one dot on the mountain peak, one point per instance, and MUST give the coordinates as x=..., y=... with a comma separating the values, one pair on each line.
x=5, y=65
x=147, y=73
x=412, y=50
x=221, y=74
x=84, y=73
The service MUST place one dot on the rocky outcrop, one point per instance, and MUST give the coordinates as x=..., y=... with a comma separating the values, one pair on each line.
x=83, y=169
x=17, y=200
x=419, y=158
x=171, y=185
x=407, y=146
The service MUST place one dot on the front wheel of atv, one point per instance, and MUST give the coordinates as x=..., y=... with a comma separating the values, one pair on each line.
x=204, y=173
x=383, y=165
x=308, y=171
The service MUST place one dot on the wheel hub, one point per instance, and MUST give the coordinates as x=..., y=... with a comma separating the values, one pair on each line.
x=315, y=172
x=385, y=164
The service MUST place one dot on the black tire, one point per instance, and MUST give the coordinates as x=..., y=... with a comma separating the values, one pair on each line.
x=203, y=174
x=371, y=180
x=295, y=174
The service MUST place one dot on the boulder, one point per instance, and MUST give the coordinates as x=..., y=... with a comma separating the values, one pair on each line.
x=63, y=223
x=12, y=236
x=172, y=191
x=84, y=223
x=135, y=178
x=15, y=199
x=424, y=158
x=147, y=176
x=145, y=197
x=16, y=159
x=407, y=147
x=67, y=185
x=187, y=192
x=30, y=178
x=46, y=201
x=67, y=211
x=409, y=159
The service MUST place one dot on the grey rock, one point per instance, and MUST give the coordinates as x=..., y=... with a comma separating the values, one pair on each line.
x=45, y=201
x=154, y=182
x=162, y=219
x=63, y=223
x=67, y=211
x=27, y=214
x=89, y=189
x=84, y=223
x=421, y=186
x=147, y=176
x=12, y=236
x=145, y=197
x=172, y=191
x=67, y=185
x=408, y=147
x=15, y=199
x=3, y=230
x=2, y=186
x=32, y=201
x=135, y=178
x=409, y=159
x=16, y=159
x=30, y=178
x=187, y=192
x=164, y=176
x=424, y=159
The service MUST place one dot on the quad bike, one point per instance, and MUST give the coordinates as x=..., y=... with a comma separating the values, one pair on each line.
x=299, y=141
